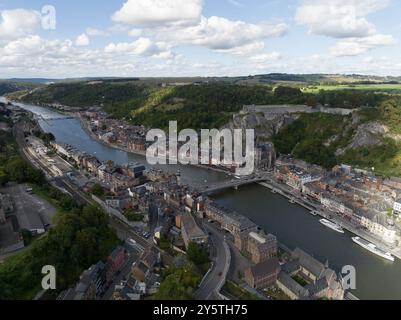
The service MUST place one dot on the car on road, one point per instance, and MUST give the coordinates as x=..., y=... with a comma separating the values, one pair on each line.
x=220, y=274
x=131, y=242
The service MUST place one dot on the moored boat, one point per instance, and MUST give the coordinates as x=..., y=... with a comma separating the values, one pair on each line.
x=373, y=248
x=332, y=225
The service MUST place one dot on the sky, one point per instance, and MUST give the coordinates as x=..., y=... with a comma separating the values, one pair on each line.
x=154, y=38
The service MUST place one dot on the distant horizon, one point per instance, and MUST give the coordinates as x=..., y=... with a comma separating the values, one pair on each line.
x=202, y=77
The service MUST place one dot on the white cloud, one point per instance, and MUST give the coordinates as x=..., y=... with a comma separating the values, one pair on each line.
x=33, y=56
x=346, y=19
x=93, y=32
x=18, y=23
x=135, y=33
x=358, y=46
x=31, y=44
x=224, y=35
x=339, y=18
x=266, y=57
x=82, y=40
x=156, y=12
x=140, y=47
x=180, y=22
x=245, y=50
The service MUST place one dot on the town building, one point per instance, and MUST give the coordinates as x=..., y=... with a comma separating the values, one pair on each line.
x=191, y=231
x=106, y=171
x=229, y=220
x=236, y=223
x=263, y=275
x=214, y=212
x=90, y=287
x=321, y=281
x=397, y=207
x=265, y=156
x=261, y=248
x=134, y=170
x=143, y=270
x=117, y=259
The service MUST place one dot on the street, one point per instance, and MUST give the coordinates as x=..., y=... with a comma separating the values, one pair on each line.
x=221, y=262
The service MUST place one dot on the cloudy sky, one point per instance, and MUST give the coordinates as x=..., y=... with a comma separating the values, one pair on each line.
x=60, y=38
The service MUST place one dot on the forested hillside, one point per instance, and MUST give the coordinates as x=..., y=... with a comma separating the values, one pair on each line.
x=317, y=138
x=14, y=86
x=193, y=106
x=369, y=139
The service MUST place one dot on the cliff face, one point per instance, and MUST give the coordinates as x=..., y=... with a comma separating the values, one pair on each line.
x=360, y=138
x=271, y=121
x=265, y=124
x=367, y=135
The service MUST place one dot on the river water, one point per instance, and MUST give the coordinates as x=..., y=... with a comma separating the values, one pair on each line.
x=293, y=225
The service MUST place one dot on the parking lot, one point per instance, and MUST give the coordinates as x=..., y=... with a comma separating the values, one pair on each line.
x=31, y=212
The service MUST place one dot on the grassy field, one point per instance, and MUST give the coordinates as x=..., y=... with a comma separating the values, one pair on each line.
x=365, y=87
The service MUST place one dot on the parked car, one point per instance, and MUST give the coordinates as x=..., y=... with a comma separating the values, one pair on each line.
x=131, y=242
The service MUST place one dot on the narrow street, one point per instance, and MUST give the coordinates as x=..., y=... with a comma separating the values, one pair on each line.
x=216, y=278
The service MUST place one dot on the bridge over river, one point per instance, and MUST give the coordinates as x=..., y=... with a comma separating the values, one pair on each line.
x=232, y=184
x=50, y=119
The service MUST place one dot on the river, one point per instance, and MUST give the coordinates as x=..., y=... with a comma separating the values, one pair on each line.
x=292, y=224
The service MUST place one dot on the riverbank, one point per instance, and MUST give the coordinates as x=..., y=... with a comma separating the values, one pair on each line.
x=85, y=127
x=317, y=210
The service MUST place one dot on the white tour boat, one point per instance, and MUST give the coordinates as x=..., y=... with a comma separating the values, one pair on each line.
x=373, y=248
x=332, y=225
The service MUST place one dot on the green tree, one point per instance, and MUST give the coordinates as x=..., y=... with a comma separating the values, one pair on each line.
x=27, y=236
x=134, y=216
x=98, y=190
x=390, y=114
x=179, y=284
x=197, y=254
x=79, y=239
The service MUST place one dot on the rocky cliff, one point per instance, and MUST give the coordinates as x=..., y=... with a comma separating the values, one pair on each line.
x=265, y=124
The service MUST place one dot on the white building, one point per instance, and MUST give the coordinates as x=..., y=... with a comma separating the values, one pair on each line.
x=387, y=234
x=397, y=207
